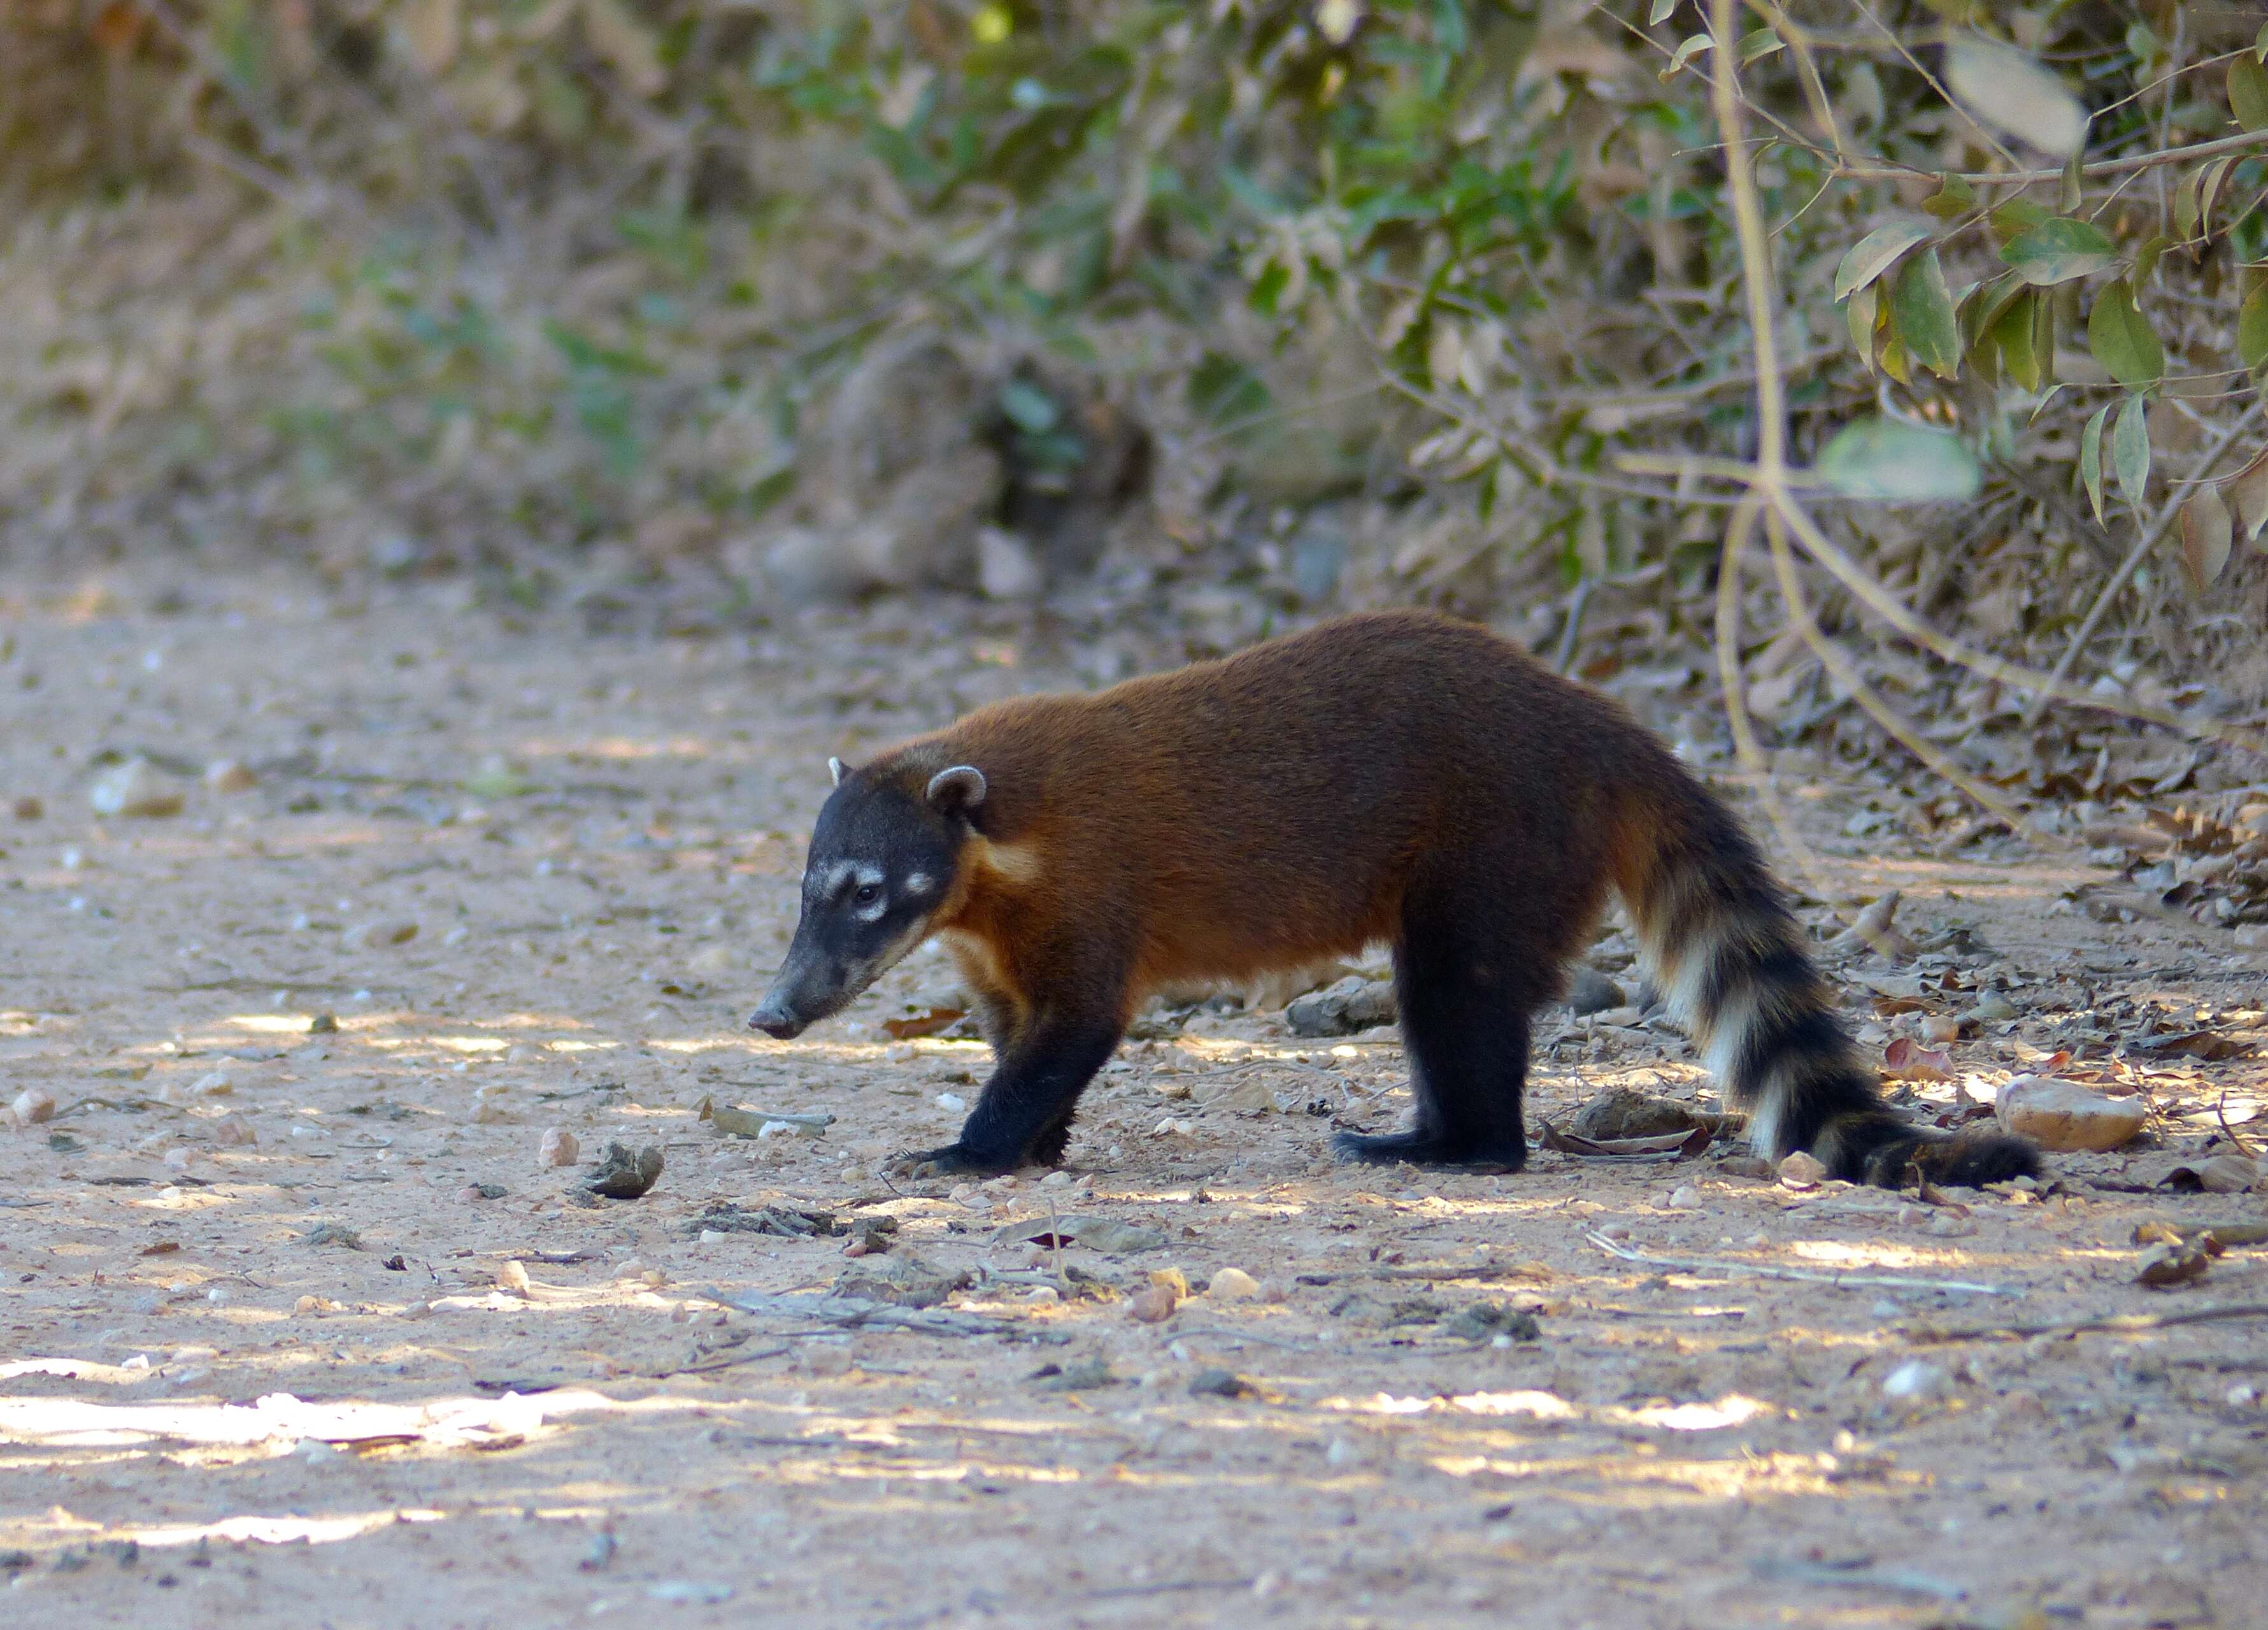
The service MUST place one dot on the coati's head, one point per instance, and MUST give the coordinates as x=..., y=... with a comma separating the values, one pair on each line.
x=882, y=862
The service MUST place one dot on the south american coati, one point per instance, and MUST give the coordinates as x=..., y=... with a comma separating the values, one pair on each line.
x=1394, y=777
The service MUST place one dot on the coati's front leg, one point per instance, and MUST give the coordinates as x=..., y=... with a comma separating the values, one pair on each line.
x=1024, y=1115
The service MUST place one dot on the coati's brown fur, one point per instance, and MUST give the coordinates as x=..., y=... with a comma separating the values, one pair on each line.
x=1395, y=776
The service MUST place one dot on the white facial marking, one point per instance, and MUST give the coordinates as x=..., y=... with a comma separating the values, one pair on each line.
x=919, y=882
x=870, y=877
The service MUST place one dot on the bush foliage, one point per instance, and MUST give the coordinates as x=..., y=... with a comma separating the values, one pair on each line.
x=408, y=280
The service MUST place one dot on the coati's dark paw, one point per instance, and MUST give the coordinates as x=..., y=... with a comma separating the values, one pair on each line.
x=1419, y=1148
x=954, y=1160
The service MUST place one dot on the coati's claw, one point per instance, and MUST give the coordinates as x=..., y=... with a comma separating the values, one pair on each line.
x=1422, y=1149
x=952, y=1160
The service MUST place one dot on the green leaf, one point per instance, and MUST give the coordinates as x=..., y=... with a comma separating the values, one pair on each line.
x=1660, y=12
x=2016, y=216
x=1954, y=198
x=1759, y=43
x=1688, y=48
x=2058, y=249
x=2122, y=339
x=2130, y=450
x=2090, y=459
x=2146, y=258
x=1875, y=253
x=2016, y=333
x=2185, y=204
x=2209, y=185
x=2248, y=93
x=2252, y=327
x=1894, y=462
x=1865, y=313
x=1921, y=307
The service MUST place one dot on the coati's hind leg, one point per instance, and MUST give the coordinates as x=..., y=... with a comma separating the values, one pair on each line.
x=1465, y=1020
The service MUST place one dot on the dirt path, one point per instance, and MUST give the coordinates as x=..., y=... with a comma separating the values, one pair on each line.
x=298, y=1380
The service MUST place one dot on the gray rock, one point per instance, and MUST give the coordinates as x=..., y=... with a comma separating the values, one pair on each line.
x=1592, y=991
x=622, y=1176
x=1353, y=1004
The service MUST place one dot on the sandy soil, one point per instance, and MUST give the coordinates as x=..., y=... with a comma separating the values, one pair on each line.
x=217, y=1408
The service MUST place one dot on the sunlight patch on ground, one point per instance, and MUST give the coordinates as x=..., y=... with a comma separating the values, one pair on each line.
x=280, y=1420
x=1841, y=1254
x=282, y=1530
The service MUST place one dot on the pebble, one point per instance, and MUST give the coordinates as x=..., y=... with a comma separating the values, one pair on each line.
x=1802, y=1171
x=953, y=1101
x=211, y=1085
x=28, y=809
x=513, y=1277
x=234, y=1131
x=323, y=1024
x=1991, y=1007
x=559, y=1148
x=1043, y=1295
x=380, y=932
x=134, y=789
x=1153, y=1304
x=1685, y=1197
x=33, y=1105
x=2065, y=1115
x=1914, y=1379
x=226, y=775
x=1232, y=1284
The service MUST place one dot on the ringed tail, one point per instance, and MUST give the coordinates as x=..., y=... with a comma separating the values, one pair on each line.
x=1718, y=936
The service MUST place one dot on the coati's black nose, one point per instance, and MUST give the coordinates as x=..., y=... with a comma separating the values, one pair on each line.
x=775, y=1022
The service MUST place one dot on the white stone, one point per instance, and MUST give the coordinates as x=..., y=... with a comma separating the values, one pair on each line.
x=1914, y=1379
x=1802, y=1171
x=31, y=1106
x=2064, y=1115
x=134, y=789
x=1232, y=1284
x=559, y=1148
x=1006, y=568
x=226, y=775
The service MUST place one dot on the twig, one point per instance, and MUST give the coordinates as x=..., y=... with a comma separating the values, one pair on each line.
x=1222, y=1333
x=2220, y=1113
x=1927, y=1334
x=714, y=1365
x=1847, y=674
x=1708, y=1265
x=2143, y=545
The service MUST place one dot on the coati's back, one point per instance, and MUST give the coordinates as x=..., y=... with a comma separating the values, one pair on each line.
x=1275, y=805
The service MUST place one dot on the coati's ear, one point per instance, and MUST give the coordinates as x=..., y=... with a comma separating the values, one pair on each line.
x=957, y=791
x=834, y=769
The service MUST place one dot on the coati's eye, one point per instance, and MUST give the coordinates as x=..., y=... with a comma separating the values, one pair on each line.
x=867, y=893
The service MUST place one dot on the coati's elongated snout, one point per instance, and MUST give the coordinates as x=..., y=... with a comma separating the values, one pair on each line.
x=881, y=868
